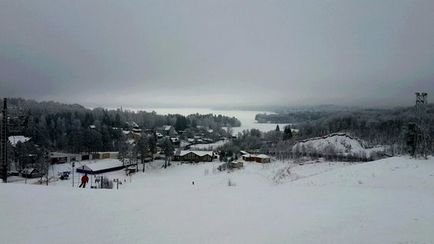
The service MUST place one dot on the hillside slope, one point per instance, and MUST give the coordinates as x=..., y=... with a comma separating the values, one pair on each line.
x=385, y=201
x=334, y=144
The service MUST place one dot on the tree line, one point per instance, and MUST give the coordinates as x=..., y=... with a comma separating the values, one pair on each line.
x=74, y=128
x=375, y=126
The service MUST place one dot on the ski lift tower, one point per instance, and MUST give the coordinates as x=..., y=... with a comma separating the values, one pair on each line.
x=3, y=142
x=422, y=135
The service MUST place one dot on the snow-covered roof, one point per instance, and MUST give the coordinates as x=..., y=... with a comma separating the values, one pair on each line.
x=198, y=153
x=15, y=139
x=263, y=156
x=103, y=164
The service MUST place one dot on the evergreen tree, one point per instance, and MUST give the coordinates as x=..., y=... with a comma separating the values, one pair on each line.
x=287, y=133
x=142, y=149
x=168, y=151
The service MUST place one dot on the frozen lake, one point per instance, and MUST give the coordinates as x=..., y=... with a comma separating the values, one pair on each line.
x=247, y=118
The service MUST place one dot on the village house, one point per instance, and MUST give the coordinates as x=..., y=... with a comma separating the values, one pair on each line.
x=60, y=157
x=168, y=130
x=194, y=156
x=259, y=158
x=101, y=166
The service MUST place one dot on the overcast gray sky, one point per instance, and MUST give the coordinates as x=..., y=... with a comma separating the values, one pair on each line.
x=147, y=53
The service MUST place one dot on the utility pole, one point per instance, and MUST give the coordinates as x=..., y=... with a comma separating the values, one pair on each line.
x=3, y=142
x=73, y=169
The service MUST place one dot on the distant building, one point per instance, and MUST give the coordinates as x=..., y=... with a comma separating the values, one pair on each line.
x=101, y=166
x=260, y=158
x=61, y=158
x=168, y=130
x=194, y=156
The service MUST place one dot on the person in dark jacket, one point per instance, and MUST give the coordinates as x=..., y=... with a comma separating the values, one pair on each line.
x=84, y=180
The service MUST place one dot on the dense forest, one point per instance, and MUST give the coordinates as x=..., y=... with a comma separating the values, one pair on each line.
x=291, y=117
x=74, y=128
x=375, y=126
x=390, y=128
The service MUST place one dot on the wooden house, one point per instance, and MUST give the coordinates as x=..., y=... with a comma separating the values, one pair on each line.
x=259, y=158
x=194, y=156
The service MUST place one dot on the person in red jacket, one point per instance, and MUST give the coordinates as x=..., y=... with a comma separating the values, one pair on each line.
x=84, y=180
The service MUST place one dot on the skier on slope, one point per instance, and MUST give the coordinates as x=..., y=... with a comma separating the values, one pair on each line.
x=84, y=180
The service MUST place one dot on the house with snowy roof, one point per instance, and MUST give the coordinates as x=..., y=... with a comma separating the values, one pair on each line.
x=194, y=156
x=168, y=130
x=259, y=158
x=101, y=166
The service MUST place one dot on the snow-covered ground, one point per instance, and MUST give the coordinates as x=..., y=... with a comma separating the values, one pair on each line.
x=209, y=146
x=384, y=201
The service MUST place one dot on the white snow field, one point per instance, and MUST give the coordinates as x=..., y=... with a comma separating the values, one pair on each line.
x=385, y=201
x=339, y=143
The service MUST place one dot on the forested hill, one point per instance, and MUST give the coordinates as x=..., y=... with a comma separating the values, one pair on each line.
x=66, y=127
x=377, y=126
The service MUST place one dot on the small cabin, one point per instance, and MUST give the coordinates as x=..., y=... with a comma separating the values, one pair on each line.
x=259, y=158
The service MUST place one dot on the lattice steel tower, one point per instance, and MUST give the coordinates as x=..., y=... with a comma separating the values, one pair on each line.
x=422, y=131
x=3, y=142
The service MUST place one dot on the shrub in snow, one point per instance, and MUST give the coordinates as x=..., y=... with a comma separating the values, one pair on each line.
x=231, y=183
x=106, y=183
